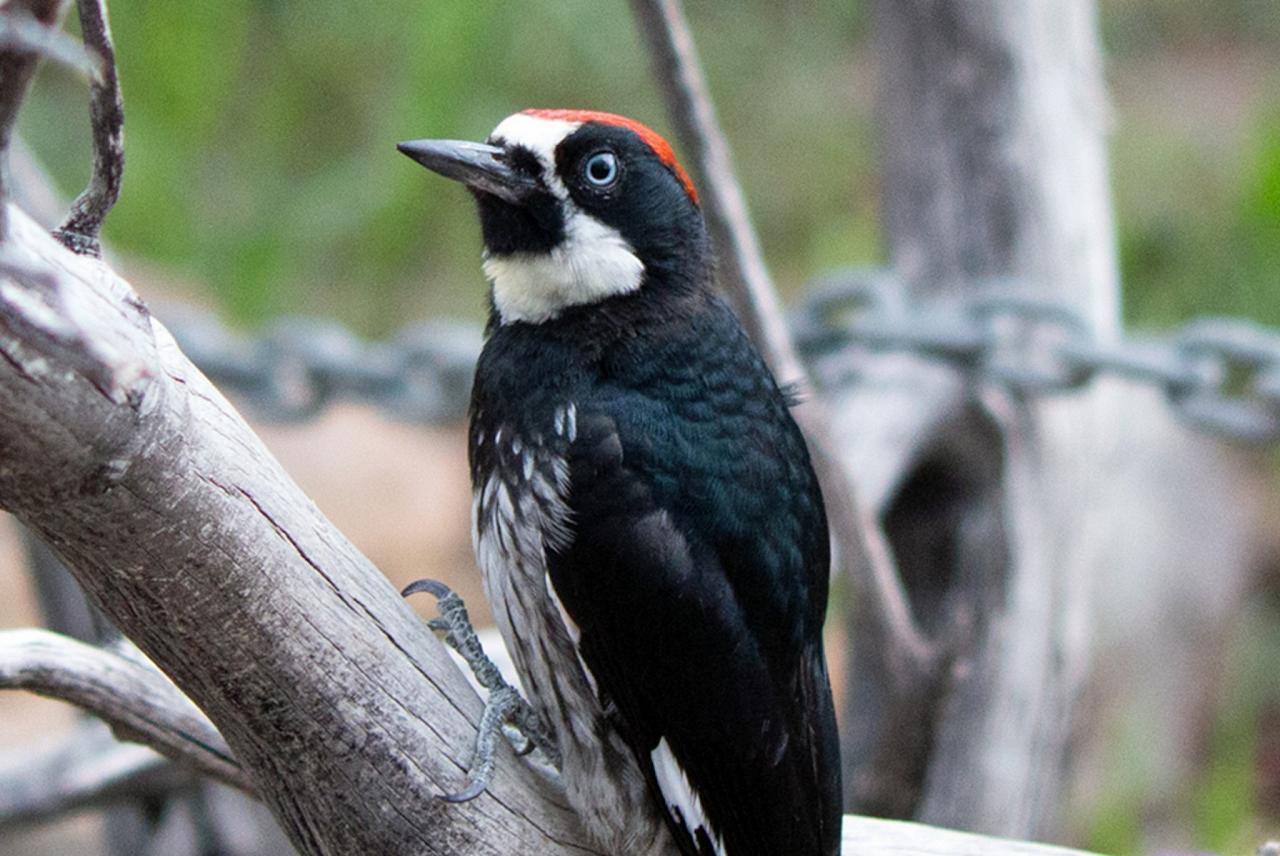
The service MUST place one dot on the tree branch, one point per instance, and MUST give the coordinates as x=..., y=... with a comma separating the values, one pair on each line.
x=744, y=275
x=20, y=31
x=80, y=230
x=17, y=66
x=869, y=836
x=334, y=696
x=139, y=702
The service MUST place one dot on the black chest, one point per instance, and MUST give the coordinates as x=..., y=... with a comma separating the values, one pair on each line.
x=657, y=368
x=700, y=421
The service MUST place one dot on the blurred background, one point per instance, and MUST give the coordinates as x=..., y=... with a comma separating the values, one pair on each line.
x=262, y=181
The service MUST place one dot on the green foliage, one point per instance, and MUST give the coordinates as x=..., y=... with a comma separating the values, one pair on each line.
x=1202, y=237
x=261, y=158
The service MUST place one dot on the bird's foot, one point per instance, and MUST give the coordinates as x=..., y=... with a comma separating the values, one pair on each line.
x=505, y=711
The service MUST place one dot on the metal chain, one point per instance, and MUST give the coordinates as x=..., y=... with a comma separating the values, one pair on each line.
x=1221, y=376
x=296, y=367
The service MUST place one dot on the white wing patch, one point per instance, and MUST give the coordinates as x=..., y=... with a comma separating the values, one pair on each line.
x=680, y=795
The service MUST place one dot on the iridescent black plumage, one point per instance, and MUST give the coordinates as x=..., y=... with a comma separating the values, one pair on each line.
x=653, y=534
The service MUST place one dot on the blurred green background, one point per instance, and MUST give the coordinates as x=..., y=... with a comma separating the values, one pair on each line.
x=262, y=179
x=261, y=164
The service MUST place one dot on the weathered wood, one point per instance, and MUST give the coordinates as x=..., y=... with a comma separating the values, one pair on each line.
x=868, y=836
x=993, y=140
x=191, y=539
x=106, y=117
x=17, y=66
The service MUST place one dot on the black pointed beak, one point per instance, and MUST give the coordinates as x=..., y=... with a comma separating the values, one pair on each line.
x=477, y=165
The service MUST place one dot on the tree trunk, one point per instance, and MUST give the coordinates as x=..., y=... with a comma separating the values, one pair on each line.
x=995, y=168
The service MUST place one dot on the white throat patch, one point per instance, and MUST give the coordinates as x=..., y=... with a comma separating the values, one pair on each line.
x=592, y=263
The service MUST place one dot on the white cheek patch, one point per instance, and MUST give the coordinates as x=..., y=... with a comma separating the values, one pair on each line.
x=681, y=798
x=592, y=263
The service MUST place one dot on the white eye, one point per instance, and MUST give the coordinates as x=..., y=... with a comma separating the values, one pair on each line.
x=601, y=169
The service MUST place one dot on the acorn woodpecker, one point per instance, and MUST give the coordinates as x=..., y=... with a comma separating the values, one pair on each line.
x=647, y=520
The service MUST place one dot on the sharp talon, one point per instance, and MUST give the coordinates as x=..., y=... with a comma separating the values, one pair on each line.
x=433, y=587
x=506, y=713
x=469, y=793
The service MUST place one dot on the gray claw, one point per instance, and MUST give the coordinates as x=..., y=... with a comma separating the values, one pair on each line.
x=503, y=707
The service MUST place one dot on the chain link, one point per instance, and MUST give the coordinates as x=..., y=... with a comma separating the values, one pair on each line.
x=1220, y=375
x=297, y=367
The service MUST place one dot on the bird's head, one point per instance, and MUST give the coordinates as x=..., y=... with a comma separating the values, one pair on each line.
x=576, y=207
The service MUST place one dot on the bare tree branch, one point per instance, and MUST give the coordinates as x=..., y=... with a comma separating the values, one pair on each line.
x=139, y=702
x=21, y=32
x=106, y=113
x=340, y=704
x=17, y=66
x=743, y=271
x=91, y=769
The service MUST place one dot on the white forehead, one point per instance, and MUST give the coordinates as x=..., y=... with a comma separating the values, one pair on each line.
x=538, y=135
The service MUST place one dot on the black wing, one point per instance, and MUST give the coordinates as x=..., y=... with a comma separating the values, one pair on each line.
x=697, y=575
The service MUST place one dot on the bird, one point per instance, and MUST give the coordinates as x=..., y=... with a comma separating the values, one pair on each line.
x=646, y=517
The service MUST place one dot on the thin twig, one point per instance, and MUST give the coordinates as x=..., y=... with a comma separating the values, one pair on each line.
x=17, y=66
x=21, y=32
x=79, y=232
x=861, y=548
x=744, y=274
x=135, y=698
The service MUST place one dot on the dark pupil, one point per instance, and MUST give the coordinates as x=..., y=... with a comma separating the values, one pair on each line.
x=600, y=169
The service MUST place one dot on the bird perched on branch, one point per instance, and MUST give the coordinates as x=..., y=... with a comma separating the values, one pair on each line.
x=648, y=524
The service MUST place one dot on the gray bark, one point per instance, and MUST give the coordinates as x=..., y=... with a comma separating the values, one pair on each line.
x=334, y=697
x=129, y=694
